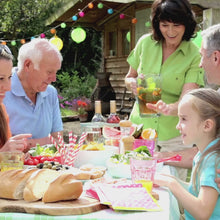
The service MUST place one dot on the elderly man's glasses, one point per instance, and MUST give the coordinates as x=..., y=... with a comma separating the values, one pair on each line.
x=4, y=50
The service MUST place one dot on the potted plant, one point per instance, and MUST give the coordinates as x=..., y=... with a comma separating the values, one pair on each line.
x=82, y=110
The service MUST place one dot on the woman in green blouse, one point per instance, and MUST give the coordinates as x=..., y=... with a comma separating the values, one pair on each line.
x=169, y=52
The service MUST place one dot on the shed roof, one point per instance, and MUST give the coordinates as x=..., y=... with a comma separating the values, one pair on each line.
x=97, y=17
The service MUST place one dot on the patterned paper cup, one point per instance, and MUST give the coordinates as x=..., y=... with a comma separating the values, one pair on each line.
x=143, y=171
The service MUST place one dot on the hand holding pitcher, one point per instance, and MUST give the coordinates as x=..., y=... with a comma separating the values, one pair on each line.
x=163, y=108
x=159, y=107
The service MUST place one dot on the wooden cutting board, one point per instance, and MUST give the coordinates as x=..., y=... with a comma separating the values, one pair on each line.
x=80, y=206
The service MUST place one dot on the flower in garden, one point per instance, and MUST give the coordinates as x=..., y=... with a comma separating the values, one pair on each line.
x=81, y=107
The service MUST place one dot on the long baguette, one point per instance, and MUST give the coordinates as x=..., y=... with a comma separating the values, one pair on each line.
x=12, y=183
x=34, y=184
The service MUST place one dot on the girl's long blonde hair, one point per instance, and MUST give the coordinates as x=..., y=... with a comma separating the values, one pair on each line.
x=206, y=102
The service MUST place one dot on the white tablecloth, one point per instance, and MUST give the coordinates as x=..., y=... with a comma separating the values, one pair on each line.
x=167, y=201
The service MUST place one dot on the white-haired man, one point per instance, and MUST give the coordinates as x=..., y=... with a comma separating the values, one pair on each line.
x=32, y=104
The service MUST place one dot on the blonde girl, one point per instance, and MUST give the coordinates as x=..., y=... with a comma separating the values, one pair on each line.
x=199, y=123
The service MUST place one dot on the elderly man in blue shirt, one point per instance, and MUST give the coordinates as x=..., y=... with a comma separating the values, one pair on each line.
x=32, y=104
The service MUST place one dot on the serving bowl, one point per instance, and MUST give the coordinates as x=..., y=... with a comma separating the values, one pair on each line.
x=97, y=158
x=120, y=170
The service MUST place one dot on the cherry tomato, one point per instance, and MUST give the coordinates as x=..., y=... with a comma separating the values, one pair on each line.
x=57, y=159
x=36, y=161
x=30, y=162
x=37, y=157
x=49, y=158
x=42, y=159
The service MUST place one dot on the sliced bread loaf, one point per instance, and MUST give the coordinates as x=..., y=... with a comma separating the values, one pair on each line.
x=38, y=184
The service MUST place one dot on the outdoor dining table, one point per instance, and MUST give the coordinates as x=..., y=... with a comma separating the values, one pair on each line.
x=167, y=202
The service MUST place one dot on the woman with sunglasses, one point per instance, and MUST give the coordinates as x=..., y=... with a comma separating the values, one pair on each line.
x=8, y=143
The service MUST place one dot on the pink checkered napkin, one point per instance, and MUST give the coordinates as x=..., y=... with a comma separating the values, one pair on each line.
x=127, y=197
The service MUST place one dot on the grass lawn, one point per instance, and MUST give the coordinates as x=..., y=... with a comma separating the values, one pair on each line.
x=67, y=112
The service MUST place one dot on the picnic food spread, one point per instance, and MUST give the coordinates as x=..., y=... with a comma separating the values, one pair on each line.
x=51, y=174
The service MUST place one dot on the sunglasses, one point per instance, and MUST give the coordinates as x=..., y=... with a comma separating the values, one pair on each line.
x=5, y=51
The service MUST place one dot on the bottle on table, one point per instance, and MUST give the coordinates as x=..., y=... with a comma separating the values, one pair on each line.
x=113, y=117
x=98, y=117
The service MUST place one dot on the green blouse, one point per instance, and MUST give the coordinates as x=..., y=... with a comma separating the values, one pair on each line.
x=181, y=67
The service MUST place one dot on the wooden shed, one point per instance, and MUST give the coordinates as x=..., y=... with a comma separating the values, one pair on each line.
x=120, y=35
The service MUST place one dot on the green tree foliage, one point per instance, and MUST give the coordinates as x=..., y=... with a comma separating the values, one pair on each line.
x=23, y=19
x=73, y=86
x=80, y=63
x=85, y=57
x=27, y=18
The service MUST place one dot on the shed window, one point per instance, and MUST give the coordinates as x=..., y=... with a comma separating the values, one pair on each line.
x=125, y=42
x=112, y=44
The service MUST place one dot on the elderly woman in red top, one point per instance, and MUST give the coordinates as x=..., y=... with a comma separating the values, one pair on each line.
x=8, y=143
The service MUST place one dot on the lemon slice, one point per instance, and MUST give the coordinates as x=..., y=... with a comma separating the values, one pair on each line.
x=149, y=133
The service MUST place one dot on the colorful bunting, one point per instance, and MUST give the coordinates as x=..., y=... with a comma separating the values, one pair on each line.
x=78, y=35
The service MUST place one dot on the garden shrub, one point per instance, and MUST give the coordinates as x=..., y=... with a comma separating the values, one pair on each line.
x=71, y=86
